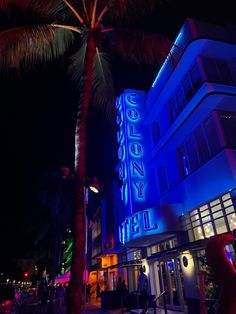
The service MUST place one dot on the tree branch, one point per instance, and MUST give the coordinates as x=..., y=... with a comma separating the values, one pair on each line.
x=72, y=28
x=94, y=13
x=103, y=12
x=74, y=11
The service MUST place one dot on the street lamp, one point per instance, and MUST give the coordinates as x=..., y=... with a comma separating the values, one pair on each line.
x=94, y=185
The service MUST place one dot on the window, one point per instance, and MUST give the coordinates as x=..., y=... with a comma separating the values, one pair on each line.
x=217, y=71
x=180, y=96
x=187, y=86
x=215, y=202
x=162, y=179
x=169, y=244
x=211, y=135
x=224, y=73
x=220, y=225
x=173, y=109
x=186, y=164
x=195, y=76
x=232, y=221
x=192, y=153
x=202, y=208
x=210, y=69
x=198, y=234
x=206, y=218
x=229, y=210
x=194, y=217
x=226, y=197
x=194, y=212
x=134, y=254
x=180, y=153
x=184, y=92
x=208, y=230
x=216, y=208
x=196, y=223
x=183, y=161
x=215, y=218
x=203, y=149
x=228, y=203
x=205, y=213
x=228, y=124
x=156, y=134
x=199, y=147
x=217, y=214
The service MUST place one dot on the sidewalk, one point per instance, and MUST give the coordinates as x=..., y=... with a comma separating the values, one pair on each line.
x=93, y=307
x=54, y=308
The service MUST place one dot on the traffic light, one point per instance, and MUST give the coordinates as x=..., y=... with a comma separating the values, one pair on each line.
x=26, y=274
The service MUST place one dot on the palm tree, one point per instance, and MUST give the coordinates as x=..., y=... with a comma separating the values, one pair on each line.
x=54, y=26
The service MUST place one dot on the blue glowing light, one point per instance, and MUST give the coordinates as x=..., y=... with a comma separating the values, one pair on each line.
x=169, y=56
x=131, y=151
x=140, y=224
x=160, y=71
x=136, y=149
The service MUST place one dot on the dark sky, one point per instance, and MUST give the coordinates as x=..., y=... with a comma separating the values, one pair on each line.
x=38, y=118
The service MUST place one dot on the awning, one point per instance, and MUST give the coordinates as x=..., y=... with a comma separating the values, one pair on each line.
x=192, y=246
x=63, y=278
x=125, y=264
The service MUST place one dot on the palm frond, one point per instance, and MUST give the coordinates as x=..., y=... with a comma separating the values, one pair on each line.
x=76, y=66
x=131, y=9
x=24, y=47
x=42, y=9
x=141, y=47
x=103, y=88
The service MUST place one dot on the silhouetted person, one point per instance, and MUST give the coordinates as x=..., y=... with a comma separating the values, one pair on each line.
x=43, y=291
x=98, y=290
x=118, y=285
x=124, y=288
x=52, y=293
x=88, y=292
x=121, y=287
x=143, y=289
x=60, y=294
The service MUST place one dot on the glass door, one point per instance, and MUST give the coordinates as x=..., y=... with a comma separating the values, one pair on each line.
x=112, y=283
x=171, y=281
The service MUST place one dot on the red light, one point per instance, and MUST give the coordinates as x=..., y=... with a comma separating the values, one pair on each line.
x=26, y=274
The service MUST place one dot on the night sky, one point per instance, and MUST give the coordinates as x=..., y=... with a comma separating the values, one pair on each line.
x=37, y=127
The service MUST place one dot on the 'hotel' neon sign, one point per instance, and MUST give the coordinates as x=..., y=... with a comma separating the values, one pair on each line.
x=141, y=223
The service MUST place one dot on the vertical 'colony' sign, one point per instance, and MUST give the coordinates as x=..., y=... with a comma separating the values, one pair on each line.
x=131, y=153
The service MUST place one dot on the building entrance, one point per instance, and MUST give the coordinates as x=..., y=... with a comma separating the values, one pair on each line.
x=171, y=280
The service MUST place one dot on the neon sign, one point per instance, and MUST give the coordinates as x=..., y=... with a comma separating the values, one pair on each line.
x=139, y=224
x=131, y=152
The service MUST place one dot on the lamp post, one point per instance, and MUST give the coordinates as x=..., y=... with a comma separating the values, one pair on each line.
x=93, y=185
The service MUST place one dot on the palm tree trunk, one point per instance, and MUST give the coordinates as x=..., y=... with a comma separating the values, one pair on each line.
x=79, y=232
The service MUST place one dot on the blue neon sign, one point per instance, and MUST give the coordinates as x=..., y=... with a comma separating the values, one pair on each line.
x=140, y=224
x=132, y=146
